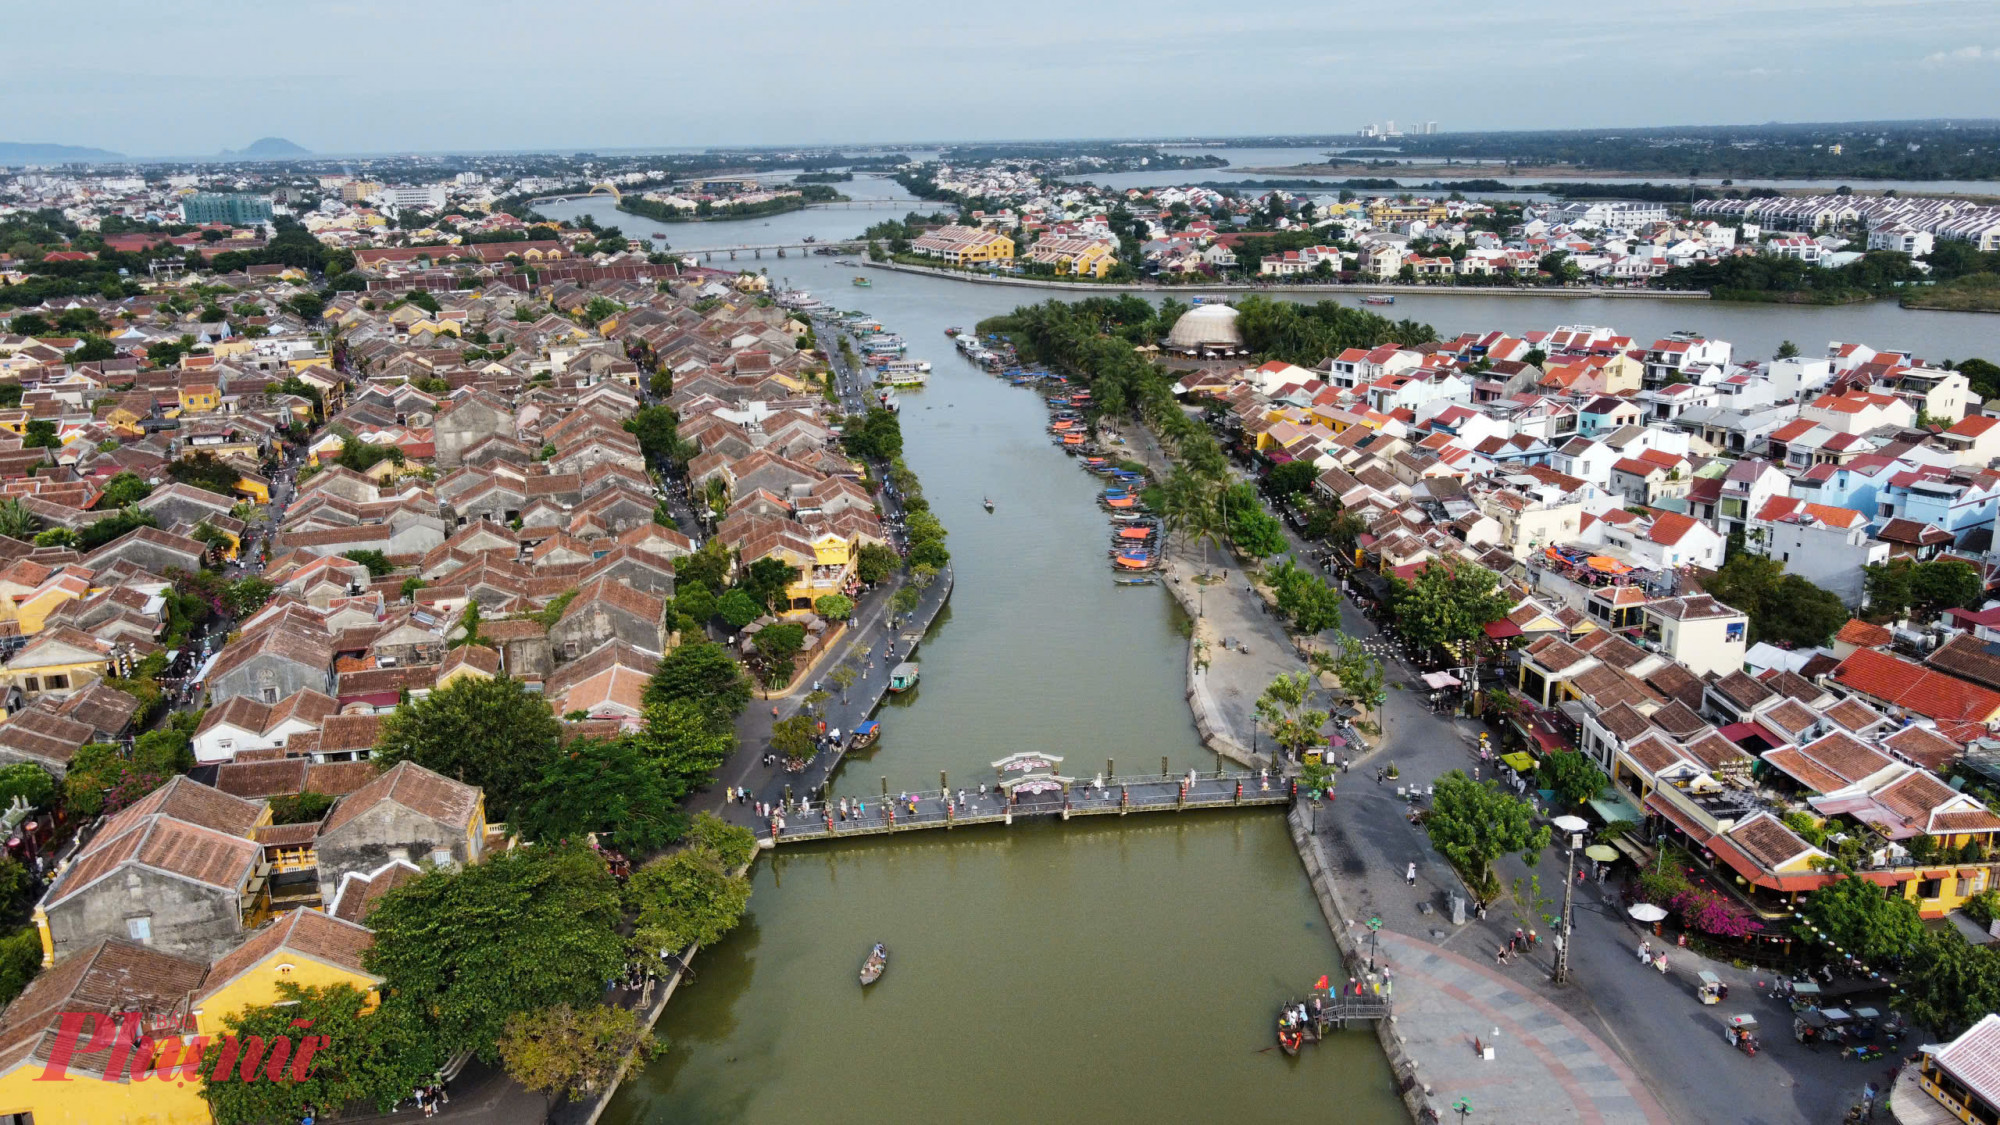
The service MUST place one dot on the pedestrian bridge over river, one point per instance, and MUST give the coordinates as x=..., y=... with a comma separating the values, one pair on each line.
x=1025, y=793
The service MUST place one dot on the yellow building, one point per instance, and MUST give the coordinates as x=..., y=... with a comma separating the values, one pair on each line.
x=178, y=1000
x=199, y=398
x=32, y=609
x=1383, y=212
x=57, y=660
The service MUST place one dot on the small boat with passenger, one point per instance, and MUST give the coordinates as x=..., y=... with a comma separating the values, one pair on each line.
x=876, y=963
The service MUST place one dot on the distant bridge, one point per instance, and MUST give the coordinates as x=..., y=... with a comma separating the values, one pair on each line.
x=849, y=246
x=1033, y=795
x=604, y=188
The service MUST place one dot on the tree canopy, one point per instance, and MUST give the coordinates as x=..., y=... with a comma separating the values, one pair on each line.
x=492, y=733
x=609, y=786
x=1447, y=605
x=1474, y=823
x=517, y=932
x=702, y=673
x=1783, y=608
x=374, y=1058
x=1864, y=919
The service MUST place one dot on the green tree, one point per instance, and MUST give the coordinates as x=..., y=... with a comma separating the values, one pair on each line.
x=41, y=435
x=16, y=521
x=203, y=470
x=374, y=1058
x=1360, y=674
x=794, y=738
x=378, y=564
x=20, y=961
x=844, y=677
x=1783, y=608
x=1287, y=480
x=1864, y=919
x=834, y=607
x=122, y=490
x=1475, y=823
x=778, y=647
x=656, y=429
x=875, y=562
x=708, y=567
x=687, y=898
x=492, y=733
x=611, y=786
x=305, y=807
x=1285, y=707
x=738, y=608
x=1447, y=607
x=682, y=738
x=1787, y=350
x=1888, y=588
x=1574, y=777
x=1949, y=985
x=1942, y=584
x=905, y=600
x=518, y=931
x=561, y=1049
x=702, y=673
x=766, y=580
x=27, y=781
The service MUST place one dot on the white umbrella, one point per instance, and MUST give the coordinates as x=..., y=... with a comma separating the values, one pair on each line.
x=1647, y=912
x=1570, y=823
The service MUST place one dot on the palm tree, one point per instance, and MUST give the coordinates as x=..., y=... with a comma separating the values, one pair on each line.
x=16, y=521
x=715, y=493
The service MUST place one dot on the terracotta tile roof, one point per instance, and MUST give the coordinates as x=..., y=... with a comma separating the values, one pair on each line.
x=1916, y=688
x=358, y=893
x=1854, y=715
x=1716, y=752
x=1968, y=658
x=423, y=791
x=1622, y=721
x=303, y=932
x=1742, y=689
x=1767, y=840
x=110, y=978
x=1861, y=634
x=261, y=779
x=1846, y=757
x=1923, y=747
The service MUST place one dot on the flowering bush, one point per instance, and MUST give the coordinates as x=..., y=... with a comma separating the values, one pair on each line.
x=1711, y=913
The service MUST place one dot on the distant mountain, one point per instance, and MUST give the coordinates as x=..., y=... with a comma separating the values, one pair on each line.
x=269, y=148
x=15, y=152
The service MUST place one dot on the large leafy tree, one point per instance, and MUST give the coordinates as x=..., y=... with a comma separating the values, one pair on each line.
x=1864, y=919
x=655, y=427
x=683, y=740
x=702, y=673
x=607, y=786
x=1573, y=776
x=693, y=896
x=708, y=567
x=1360, y=674
x=1943, y=584
x=1474, y=823
x=561, y=1049
x=1950, y=985
x=1783, y=608
x=524, y=930
x=1286, y=709
x=1447, y=606
x=492, y=733
x=374, y=1058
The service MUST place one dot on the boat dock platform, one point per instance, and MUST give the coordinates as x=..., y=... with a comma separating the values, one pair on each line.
x=1031, y=796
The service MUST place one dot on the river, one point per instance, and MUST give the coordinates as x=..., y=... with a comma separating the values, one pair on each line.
x=1069, y=973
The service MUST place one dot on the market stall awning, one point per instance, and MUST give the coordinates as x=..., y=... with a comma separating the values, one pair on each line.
x=1440, y=680
x=1613, y=806
x=1521, y=762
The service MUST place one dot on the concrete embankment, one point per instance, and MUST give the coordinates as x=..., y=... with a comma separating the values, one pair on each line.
x=1329, y=291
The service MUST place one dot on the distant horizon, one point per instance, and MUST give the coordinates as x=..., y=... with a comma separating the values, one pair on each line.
x=1266, y=139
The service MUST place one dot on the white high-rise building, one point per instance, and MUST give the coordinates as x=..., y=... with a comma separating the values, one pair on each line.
x=1430, y=128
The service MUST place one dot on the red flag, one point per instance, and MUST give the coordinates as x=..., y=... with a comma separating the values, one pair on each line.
x=1322, y=982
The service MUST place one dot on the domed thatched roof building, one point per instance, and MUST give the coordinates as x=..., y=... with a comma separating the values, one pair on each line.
x=1207, y=330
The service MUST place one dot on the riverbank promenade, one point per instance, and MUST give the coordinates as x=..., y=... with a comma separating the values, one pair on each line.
x=1117, y=796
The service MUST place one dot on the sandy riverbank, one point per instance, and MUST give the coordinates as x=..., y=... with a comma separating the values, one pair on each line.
x=1328, y=291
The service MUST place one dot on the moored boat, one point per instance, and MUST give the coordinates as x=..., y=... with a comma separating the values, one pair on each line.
x=865, y=735
x=1379, y=299
x=903, y=677
x=953, y=331
x=1132, y=580
x=863, y=282
x=876, y=963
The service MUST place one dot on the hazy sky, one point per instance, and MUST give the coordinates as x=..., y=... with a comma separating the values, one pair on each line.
x=166, y=77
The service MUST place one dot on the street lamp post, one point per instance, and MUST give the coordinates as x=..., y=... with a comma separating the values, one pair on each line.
x=1568, y=920
x=1374, y=940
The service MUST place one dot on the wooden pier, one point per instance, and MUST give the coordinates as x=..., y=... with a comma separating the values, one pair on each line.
x=1037, y=795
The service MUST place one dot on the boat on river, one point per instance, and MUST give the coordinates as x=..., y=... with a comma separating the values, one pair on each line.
x=1379, y=299
x=661, y=235
x=865, y=735
x=988, y=501
x=953, y=331
x=903, y=677
x=1132, y=580
x=873, y=967
x=901, y=375
x=863, y=282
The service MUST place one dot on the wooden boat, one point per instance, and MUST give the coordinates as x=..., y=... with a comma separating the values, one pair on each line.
x=989, y=505
x=903, y=677
x=953, y=331
x=878, y=960
x=863, y=282
x=1289, y=1041
x=1379, y=299
x=865, y=735
x=1132, y=580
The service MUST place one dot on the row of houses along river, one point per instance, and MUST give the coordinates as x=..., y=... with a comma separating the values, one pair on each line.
x=1103, y=969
